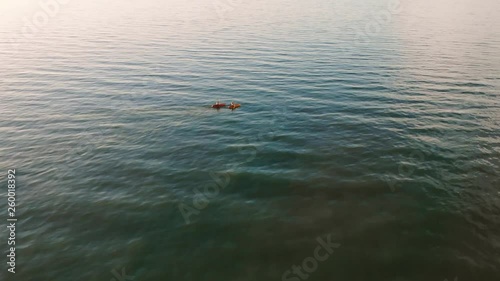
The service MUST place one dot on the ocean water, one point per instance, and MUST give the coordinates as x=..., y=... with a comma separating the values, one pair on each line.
x=370, y=124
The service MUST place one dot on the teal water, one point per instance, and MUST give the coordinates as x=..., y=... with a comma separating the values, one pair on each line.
x=371, y=123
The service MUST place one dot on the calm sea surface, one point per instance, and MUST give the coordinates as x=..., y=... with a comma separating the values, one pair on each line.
x=372, y=124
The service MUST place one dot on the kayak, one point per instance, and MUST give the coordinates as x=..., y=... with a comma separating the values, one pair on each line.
x=219, y=105
x=233, y=106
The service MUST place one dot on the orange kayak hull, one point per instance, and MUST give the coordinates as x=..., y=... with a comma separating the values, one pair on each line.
x=219, y=105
